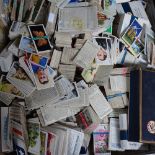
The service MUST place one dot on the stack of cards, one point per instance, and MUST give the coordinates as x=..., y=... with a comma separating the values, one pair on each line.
x=65, y=74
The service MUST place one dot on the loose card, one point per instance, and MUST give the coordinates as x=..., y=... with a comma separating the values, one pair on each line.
x=19, y=78
x=26, y=44
x=38, y=60
x=9, y=89
x=40, y=38
x=132, y=33
x=103, y=56
x=43, y=77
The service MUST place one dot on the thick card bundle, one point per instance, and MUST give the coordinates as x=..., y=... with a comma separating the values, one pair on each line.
x=87, y=119
x=71, y=20
x=17, y=29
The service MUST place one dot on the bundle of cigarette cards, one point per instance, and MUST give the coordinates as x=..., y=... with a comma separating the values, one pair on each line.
x=65, y=74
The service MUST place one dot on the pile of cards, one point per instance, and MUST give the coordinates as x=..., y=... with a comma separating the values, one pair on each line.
x=65, y=73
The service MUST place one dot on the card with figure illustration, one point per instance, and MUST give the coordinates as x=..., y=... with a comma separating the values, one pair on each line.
x=43, y=76
x=40, y=38
x=133, y=32
x=26, y=44
x=103, y=56
x=18, y=75
x=38, y=60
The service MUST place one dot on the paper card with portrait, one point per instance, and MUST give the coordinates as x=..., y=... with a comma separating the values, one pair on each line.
x=103, y=56
x=43, y=76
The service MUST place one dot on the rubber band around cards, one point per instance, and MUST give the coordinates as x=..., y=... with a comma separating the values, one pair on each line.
x=41, y=37
x=115, y=95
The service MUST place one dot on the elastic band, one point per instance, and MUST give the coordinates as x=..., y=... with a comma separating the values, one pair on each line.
x=41, y=37
x=115, y=95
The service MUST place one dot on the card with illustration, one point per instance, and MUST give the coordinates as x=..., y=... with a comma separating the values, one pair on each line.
x=110, y=6
x=39, y=37
x=19, y=146
x=104, y=20
x=50, y=143
x=43, y=138
x=18, y=73
x=133, y=32
x=20, y=79
x=43, y=76
x=34, y=137
x=26, y=44
x=89, y=73
x=137, y=47
x=100, y=138
x=103, y=56
x=8, y=88
x=39, y=60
